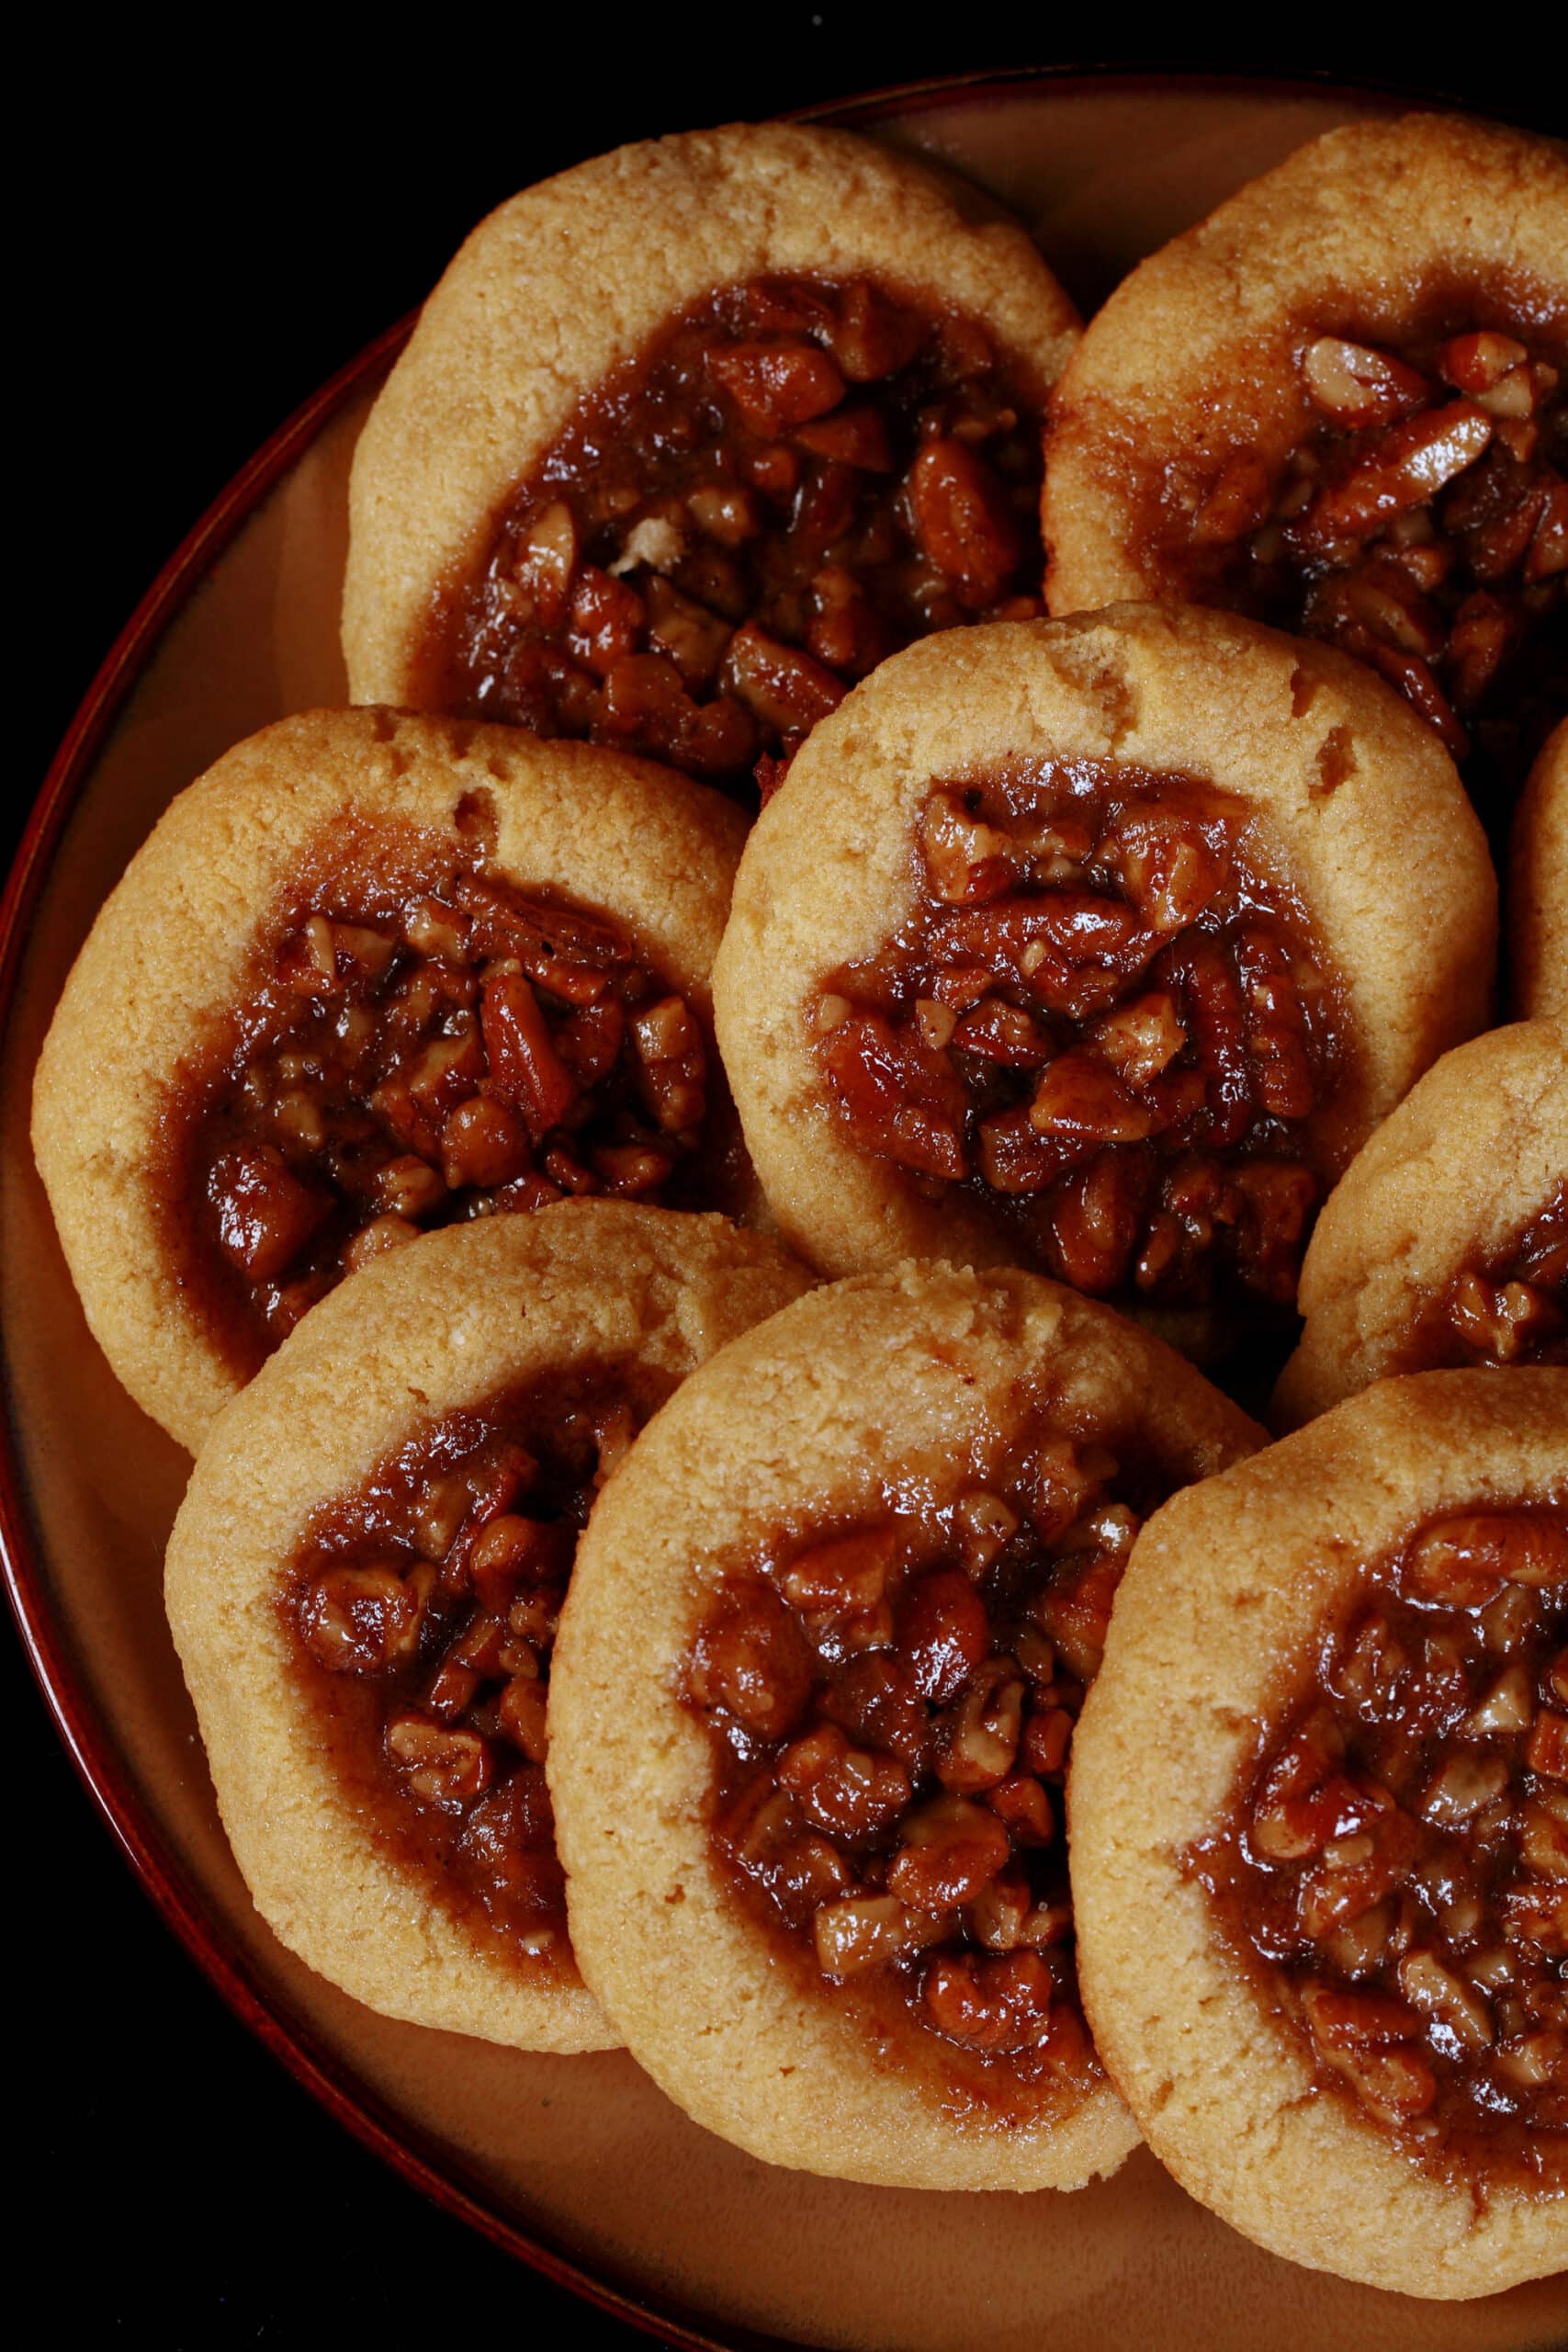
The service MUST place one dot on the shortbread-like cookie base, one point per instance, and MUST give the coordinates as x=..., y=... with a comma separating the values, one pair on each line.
x=456, y=1317
x=170, y=952
x=815, y=1414
x=1356, y=807
x=1537, y=885
x=1215, y=1624
x=1195, y=355
x=1472, y=1154
x=574, y=277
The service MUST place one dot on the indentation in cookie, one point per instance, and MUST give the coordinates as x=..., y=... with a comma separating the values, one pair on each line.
x=419, y=1042
x=797, y=475
x=1106, y=1025
x=1395, y=1859
x=891, y=1706
x=422, y=1608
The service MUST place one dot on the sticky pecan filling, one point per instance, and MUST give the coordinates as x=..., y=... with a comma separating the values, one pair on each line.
x=797, y=478
x=892, y=1707
x=1513, y=1308
x=1105, y=1028
x=1422, y=524
x=1396, y=1860
x=422, y=1608
x=411, y=1056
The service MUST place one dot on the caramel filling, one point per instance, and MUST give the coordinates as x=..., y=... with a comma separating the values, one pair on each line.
x=1395, y=1864
x=1105, y=1028
x=1513, y=1308
x=798, y=476
x=421, y=1611
x=1422, y=524
x=415, y=1052
x=891, y=1706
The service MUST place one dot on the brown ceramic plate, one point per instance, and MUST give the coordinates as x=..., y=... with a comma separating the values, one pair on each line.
x=578, y=2165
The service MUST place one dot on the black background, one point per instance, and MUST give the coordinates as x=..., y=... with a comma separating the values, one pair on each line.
x=195, y=246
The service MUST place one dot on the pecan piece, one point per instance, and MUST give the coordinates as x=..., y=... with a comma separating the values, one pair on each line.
x=949, y=1850
x=525, y=1071
x=785, y=689
x=967, y=859
x=546, y=558
x=1356, y=385
x=362, y=1620
x=902, y=1097
x=991, y=2004
x=1464, y=1561
x=850, y=1792
x=1475, y=363
x=1406, y=466
x=778, y=384
x=867, y=1932
x=672, y=1064
x=446, y=1765
x=266, y=1213
x=964, y=521
x=484, y=1142
x=1080, y=1098
x=845, y=1577
x=850, y=436
x=1237, y=502
x=607, y=619
x=942, y=1632
x=692, y=637
x=752, y=1661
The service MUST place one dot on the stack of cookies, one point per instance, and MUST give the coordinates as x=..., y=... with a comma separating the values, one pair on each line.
x=875, y=1327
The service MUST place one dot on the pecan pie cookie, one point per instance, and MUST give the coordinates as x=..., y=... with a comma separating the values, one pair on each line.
x=1320, y=1837
x=365, y=1577
x=1338, y=404
x=1100, y=945
x=689, y=438
x=371, y=974
x=812, y=1706
x=1446, y=1242
x=1538, y=896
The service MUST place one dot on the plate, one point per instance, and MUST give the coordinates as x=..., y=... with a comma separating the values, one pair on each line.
x=578, y=2165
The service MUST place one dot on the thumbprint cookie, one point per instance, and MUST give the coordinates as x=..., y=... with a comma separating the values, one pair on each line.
x=369, y=975
x=1538, y=896
x=813, y=1701
x=1100, y=945
x=1319, y=1829
x=1338, y=404
x=365, y=1577
x=687, y=439
x=1446, y=1242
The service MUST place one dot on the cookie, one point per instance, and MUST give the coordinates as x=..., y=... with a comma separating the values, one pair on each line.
x=1319, y=1836
x=1102, y=944
x=812, y=1701
x=1538, y=893
x=689, y=437
x=369, y=974
x=1446, y=1242
x=1338, y=404
x=363, y=1577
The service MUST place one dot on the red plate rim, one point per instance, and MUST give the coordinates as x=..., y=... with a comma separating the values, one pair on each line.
x=414, y=2155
